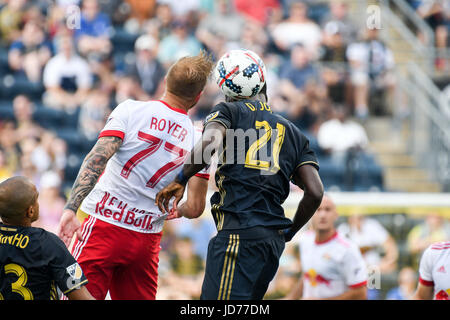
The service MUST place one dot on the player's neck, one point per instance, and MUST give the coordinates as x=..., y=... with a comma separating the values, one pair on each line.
x=16, y=224
x=176, y=102
x=323, y=236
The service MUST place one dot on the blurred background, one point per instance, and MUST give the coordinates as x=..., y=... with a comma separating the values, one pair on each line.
x=367, y=81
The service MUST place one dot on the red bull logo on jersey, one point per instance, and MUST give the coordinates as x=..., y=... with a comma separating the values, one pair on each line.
x=113, y=208
x=315, y=279
x=443, y=295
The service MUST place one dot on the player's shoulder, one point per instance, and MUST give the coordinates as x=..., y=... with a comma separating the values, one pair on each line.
x=49, y=241
x=436, y=250
x=439, y=248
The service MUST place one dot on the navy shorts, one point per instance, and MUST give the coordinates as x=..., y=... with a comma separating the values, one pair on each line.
x=241, y=263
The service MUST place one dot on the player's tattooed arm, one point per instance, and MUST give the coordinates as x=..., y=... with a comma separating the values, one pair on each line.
x=92, y=167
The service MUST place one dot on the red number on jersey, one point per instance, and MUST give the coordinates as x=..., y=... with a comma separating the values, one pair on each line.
x=154, y=144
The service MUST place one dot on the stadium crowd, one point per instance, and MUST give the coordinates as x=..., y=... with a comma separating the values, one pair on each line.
x=65, y=64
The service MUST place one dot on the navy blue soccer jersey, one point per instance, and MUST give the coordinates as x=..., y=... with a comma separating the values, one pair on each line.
x=33, y=263
x=261, y=152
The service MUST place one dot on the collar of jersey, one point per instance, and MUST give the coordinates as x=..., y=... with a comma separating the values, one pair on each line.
x=327, y=240
x=173, y=108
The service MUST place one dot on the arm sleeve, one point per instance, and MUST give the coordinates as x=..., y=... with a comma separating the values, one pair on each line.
x=117, y=122
x=64, y=270
x=204, y=173
x=221, y=113
x=425, y=268
x=304, y=155
x=354, y=268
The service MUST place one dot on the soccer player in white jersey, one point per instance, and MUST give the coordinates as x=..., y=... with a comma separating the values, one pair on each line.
x=141, y=149
x=434, y=273
x=332, y=266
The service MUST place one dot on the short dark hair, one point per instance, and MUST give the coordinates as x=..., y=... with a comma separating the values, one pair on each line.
x=17, y=194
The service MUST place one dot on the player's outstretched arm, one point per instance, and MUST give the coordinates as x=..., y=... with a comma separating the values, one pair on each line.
x=80, y=294
x=306, y=177
x=196, y=199
x=92, y=167
x=200, y=157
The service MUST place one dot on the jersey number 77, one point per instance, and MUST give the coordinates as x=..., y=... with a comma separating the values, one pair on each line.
x=154, y=144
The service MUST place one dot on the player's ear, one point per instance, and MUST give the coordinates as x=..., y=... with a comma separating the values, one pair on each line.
x=29, y=213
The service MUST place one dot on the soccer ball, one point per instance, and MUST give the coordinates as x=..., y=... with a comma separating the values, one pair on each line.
x=240, y=74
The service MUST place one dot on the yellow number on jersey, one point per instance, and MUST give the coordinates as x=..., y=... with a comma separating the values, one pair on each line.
x=250, y=157
x=19, y=285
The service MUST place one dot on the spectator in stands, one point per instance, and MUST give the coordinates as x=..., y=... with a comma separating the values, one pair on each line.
x=437, y=14
x=28, y=169
x=138, y=13
x=181, y=9
x=407, y=281
x=93, y=114
x=51, y=203
x=8, y=143
x=259, y=11
x=146, y=69
x=29, y=54
x=11, y=17
x=334, y=61
x=340, y=136
x=253, y=37
x=339, y=15
x=224, y=25
x=23, y=113
x=5, y=173
x=163, y=20
x=178, y=44
x=297, y=28
x=433, y=229
x=128, y=88
x=46, y=153
x=92, y=37
x=301, y=84
x=67, y=77
x=372, y=239
x=371, y=64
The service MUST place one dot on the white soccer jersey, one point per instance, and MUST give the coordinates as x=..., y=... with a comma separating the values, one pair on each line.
x=434, y=269
x=157, y=139
x=331, y=267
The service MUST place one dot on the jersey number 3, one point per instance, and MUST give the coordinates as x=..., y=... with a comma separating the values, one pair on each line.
x=154, y=144
x=19, y=285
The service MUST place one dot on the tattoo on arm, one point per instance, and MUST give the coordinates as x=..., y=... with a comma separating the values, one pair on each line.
x=91, y=169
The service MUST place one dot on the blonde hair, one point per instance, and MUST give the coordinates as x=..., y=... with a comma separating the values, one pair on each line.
x=187, y=77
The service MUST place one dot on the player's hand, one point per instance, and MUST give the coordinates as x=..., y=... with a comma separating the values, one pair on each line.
x=163, y=197
x=173, y=214
x=68, y=226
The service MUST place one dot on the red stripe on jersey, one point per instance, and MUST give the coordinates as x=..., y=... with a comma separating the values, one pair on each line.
x=202, y=175
x=358, y=285
x=426, y=282
x=112, y=133
x=173, y=108
x=335, y=234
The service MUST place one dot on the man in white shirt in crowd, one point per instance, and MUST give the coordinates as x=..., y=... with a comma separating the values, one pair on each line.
x=332, y=265
x=67, y=77
x=339, y=135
